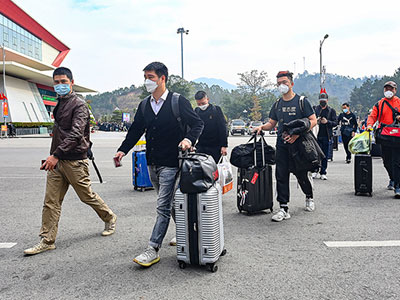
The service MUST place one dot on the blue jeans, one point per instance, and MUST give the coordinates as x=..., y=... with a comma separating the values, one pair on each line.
x=324, y=144
x=164, y=180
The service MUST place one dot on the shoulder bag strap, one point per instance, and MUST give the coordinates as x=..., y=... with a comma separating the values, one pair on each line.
x=176, y=111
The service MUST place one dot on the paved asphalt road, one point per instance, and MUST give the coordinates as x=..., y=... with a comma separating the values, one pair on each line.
x=265, y=260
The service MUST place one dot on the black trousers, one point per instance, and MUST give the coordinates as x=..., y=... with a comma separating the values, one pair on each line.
x=391, y=161
x=282, y=174
x=215, y=152
x=346, y=139
x=325, y=145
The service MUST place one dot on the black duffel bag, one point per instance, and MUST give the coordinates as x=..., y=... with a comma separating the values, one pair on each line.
x=242, y=156
x=198, y=173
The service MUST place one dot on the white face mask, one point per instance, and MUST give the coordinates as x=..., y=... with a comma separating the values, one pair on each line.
x=204, y=107
x=388, y=94
x=283, y=88
x=150, y=85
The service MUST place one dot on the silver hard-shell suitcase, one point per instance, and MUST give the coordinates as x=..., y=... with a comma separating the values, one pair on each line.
x=199, y=228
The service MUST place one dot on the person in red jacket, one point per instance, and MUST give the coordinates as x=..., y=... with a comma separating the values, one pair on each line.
x=384, y=115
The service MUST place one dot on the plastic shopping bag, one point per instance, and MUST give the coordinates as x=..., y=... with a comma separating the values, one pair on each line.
x=360, y=143
x=225, y=174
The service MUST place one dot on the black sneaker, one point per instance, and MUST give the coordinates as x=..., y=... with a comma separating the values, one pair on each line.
x=348, y=161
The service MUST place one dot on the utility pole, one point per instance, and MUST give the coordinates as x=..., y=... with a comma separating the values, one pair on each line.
x=321, y=70
x=182, y=31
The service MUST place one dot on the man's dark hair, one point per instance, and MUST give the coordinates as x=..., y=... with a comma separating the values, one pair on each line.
x=200, y=95
x=63, y=71
x=159, y=68
x=346, y=104
x=285, y=74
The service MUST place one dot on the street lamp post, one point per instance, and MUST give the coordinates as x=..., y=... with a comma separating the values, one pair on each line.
x=182, y=31
x=4, y=82
x=320, y=60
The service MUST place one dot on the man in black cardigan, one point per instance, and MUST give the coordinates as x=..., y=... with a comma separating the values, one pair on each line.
x=163, y=136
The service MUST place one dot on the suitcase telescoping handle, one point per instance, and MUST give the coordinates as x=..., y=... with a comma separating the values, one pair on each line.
x=262, y=140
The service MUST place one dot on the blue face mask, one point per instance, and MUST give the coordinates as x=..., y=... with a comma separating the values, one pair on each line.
x=345, y=110
x=62, y=89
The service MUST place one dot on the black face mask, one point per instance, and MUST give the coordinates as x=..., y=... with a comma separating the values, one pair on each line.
x=323, y=103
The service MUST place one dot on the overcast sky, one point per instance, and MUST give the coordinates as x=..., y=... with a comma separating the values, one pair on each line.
x=111, y=41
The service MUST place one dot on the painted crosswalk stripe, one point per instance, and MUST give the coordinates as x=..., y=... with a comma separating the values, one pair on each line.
x=346, y=244
x=7, y=245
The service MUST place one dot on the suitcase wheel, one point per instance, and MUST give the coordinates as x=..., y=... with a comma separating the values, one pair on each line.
x=223, y=253
x=182, y=264
x=213, y=268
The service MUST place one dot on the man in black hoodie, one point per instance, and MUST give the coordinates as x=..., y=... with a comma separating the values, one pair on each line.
x=156, y=117
x=348, y=128
x=214, y=138
x=326, y=118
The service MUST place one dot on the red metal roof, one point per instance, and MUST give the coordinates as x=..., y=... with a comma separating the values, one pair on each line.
x=45, y=87
x=17, y=15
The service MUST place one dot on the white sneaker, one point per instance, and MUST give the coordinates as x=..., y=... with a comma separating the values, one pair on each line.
x=310, y=206
x=148, y=257
x=280, y=216
x=173, y=242
x=314, y=175
x=109, y=227
x=323, y=177
x=39, y=248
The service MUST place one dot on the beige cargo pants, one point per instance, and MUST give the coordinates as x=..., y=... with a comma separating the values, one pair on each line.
x=75, y=173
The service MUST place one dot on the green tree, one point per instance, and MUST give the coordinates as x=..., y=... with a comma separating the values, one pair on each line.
x=116, y=115
x=364, y=97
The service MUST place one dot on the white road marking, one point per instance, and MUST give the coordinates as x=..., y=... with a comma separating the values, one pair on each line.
x=345, y=244
x=7, y=245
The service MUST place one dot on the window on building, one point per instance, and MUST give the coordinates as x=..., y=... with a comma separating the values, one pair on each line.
x=19, y=39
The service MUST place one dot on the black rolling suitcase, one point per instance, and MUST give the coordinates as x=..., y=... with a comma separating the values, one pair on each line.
x=363, y=172
x=255, y=189
x=254, y=186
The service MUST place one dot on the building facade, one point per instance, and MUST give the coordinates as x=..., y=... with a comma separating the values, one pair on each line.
x=31, y=54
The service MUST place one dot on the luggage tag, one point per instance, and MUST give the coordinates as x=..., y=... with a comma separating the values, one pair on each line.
x=254, y=179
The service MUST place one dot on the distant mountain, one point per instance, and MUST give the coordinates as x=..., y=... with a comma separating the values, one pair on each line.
x=336, y=85
x=213, y=81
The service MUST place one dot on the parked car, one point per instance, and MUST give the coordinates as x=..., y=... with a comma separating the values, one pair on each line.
x=238, y=126
x=253, y=125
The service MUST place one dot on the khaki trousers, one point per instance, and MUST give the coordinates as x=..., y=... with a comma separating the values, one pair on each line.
x=75, y=173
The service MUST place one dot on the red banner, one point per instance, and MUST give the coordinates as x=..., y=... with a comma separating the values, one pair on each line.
x=5, y=109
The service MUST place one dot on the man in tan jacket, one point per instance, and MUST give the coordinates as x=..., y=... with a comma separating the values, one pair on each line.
x=68, y=163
